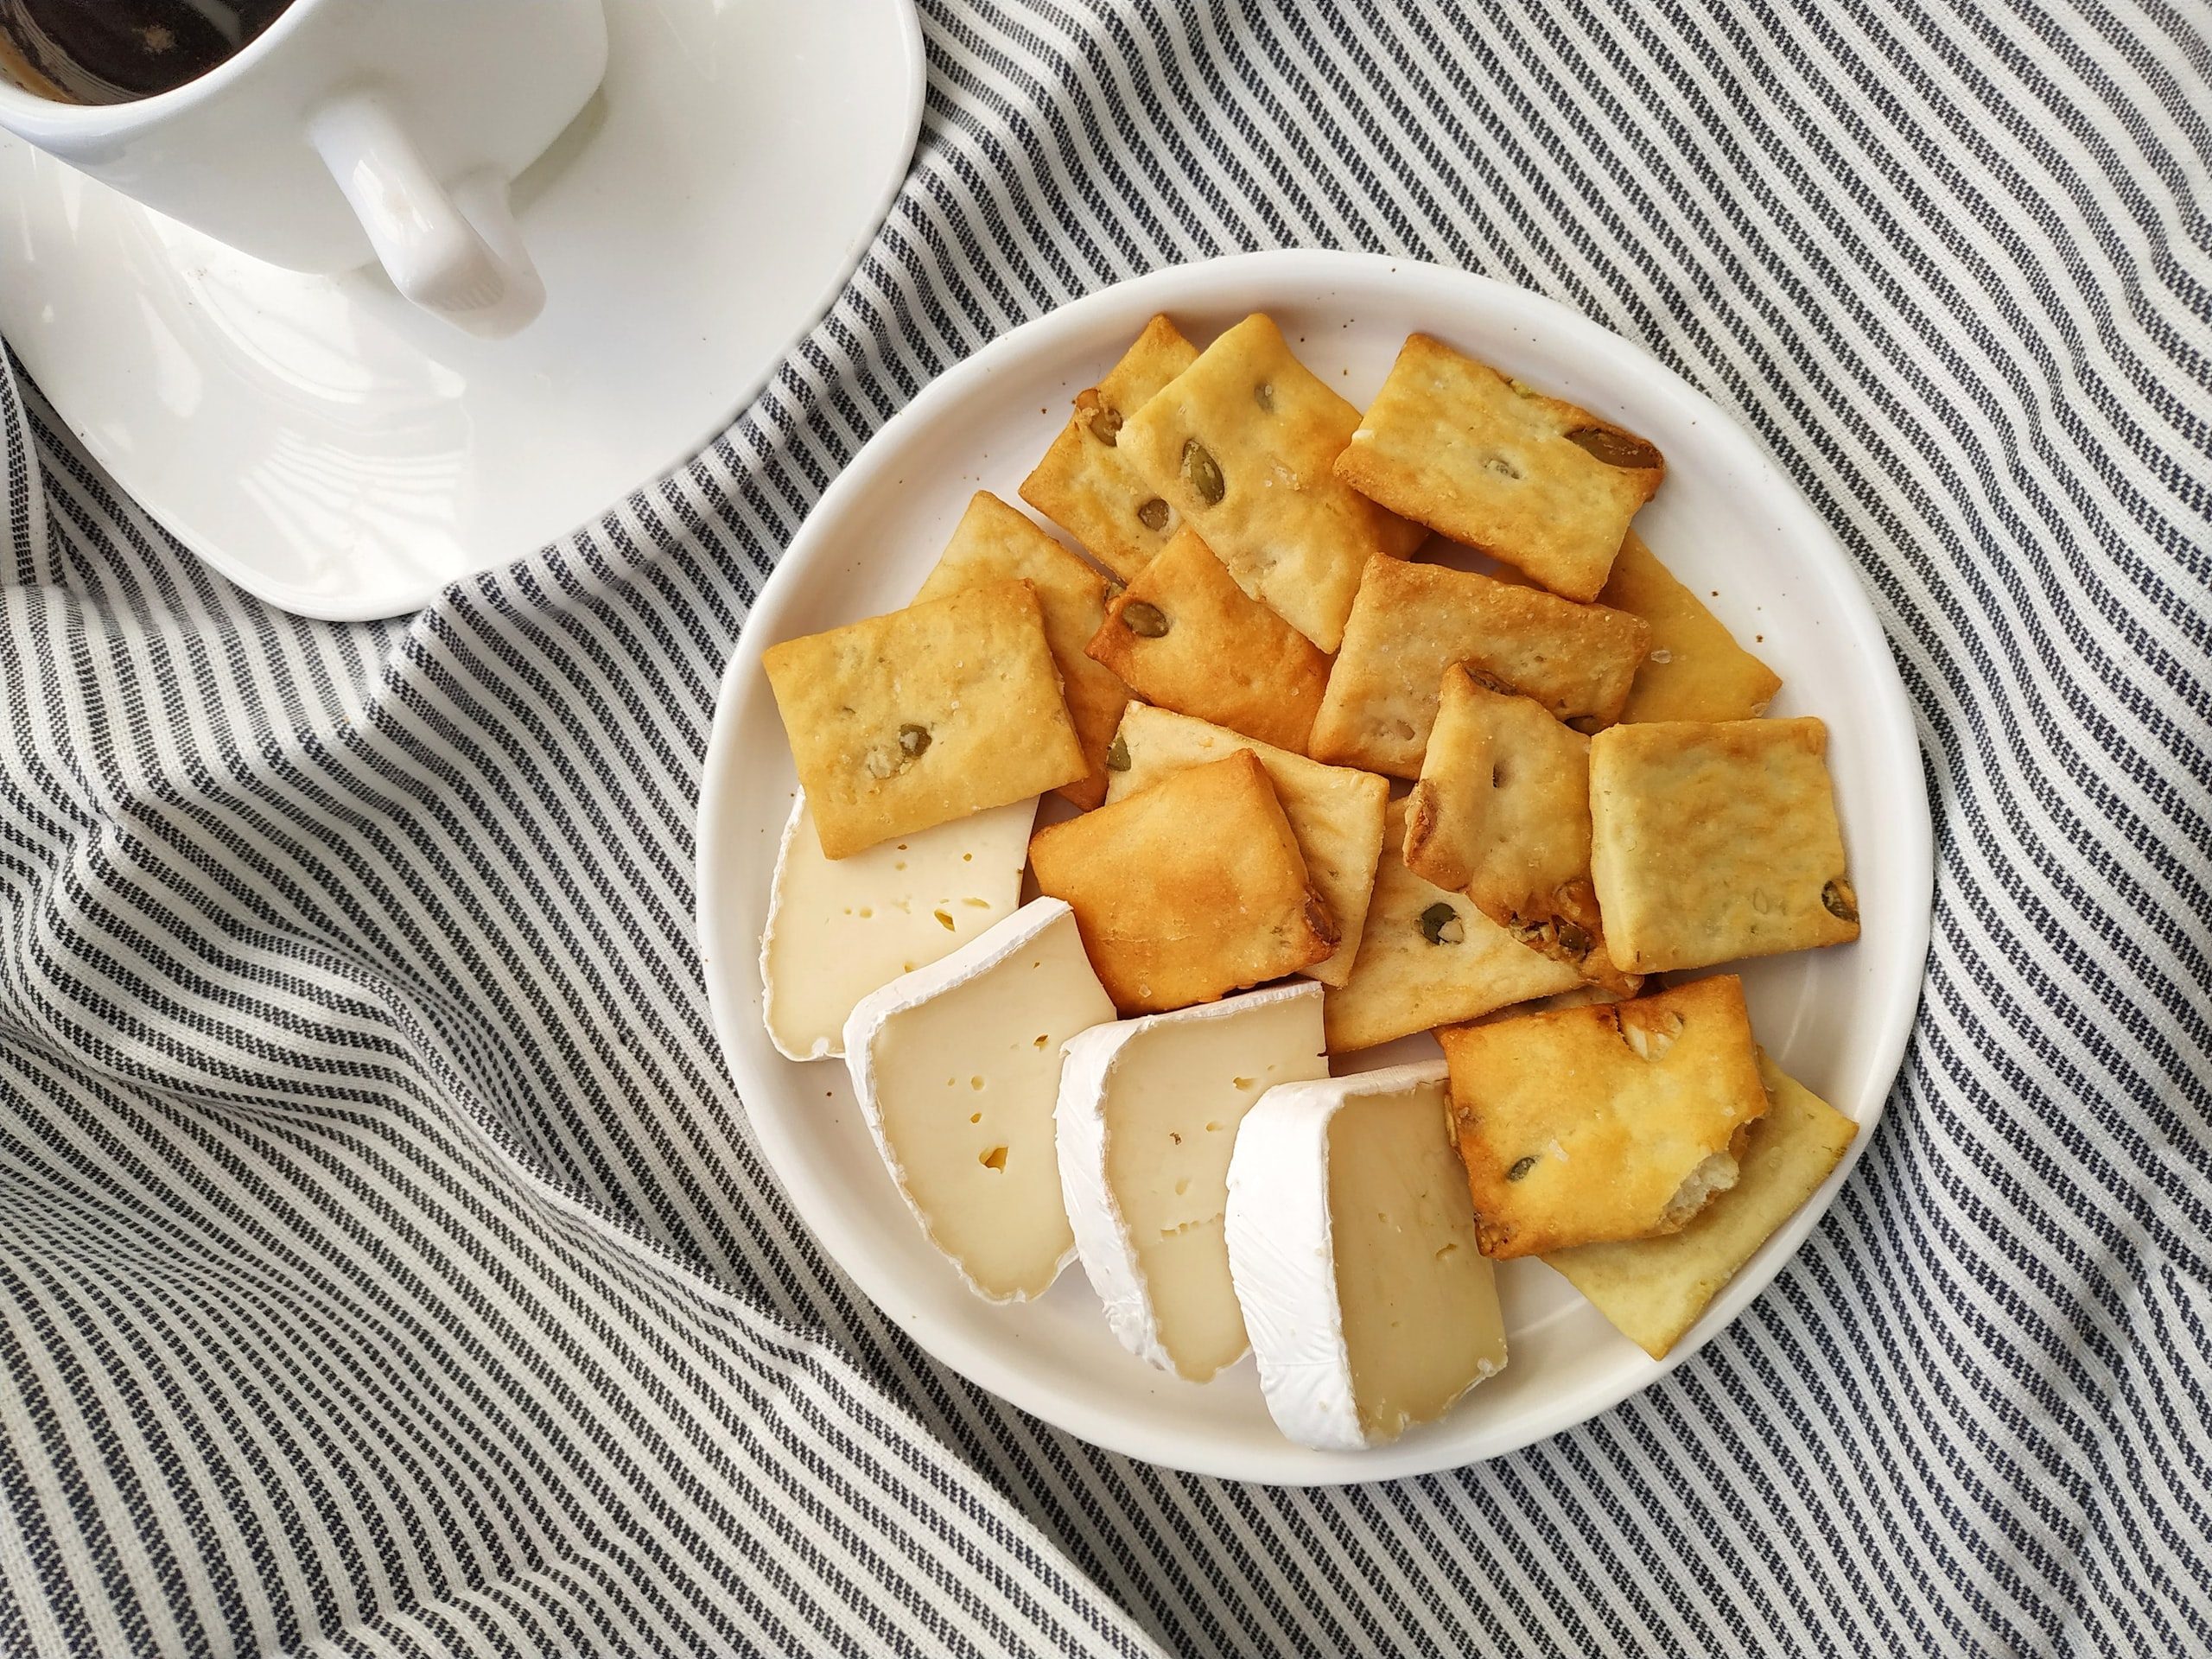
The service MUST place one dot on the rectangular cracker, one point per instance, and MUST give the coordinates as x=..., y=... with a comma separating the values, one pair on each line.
x=1501, y=813
x=1713, y=842
x=1242, y=444
x=1536, y=482
x=1655, y=1290
x=1084, y=486
x=1607, y=1121
x=903, y=721
x=1188, y=890
x=1335, y=813
x=992, y=543
x=1411, y=621
x=1694, y=668
x=1199, y=644
x=1427, y=958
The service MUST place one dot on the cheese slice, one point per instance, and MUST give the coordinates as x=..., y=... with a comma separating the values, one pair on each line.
x=1147, y=1116
x=957, y=1066
x=1351, y=1244
x=839, y=928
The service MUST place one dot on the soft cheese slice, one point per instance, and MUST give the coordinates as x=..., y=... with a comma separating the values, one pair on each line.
x=839, y=928
x=956, y=1067
x=1351, y=1244
x=1147, y=1117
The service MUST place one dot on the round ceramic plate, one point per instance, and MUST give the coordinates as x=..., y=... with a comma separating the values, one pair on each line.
x=1727, y=522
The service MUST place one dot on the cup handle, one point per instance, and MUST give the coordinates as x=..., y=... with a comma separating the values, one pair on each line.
x=455, y=253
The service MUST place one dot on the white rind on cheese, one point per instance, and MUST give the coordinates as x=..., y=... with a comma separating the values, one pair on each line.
x=1147, y=1116
x=957, y=1067
x=839, y=928
x=1352, y=1246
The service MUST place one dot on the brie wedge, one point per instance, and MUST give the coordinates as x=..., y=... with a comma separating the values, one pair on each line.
x=1147, y=1116
x=1351, y=1242
x=839, y=928
x=956, y=1067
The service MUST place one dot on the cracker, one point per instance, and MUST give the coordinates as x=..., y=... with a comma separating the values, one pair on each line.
x=1609, y=1121
x=995, y=541
x=1427, y=958
x=1200, y=644
x=1538, y=483
x=1411, y=621
x=1713, y=842
x=1240, y=444
x=1084, y=484
x=1335, y=813
x=903, y=721
x=1501, y=813
x=1653, y=1289
x=1694, y=669
x=1188, y=890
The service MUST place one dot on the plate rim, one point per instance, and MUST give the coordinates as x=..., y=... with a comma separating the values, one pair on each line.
x=1166, y=289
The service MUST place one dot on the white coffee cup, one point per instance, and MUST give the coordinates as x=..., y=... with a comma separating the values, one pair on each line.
x=353, y=130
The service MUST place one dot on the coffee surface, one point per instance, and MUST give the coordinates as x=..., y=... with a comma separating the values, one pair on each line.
x=113, y=51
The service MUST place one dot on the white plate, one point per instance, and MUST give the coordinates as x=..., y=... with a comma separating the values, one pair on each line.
x=340, y=453
x=1727, y=521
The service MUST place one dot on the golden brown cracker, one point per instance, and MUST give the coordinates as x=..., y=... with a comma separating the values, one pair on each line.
x=1426, y=958
x=1501, y=813
x=1335, y=813
x=1653, y=1290
x=1410, y=621
x=1184, y=635
x=1084, y=486
x=903, y=721
x=1541, y=484
x=1607, y=1121
x=1711, y=842
x=1694, y=668
x=1188, y=890
x=995, y=541
x=1240, y=444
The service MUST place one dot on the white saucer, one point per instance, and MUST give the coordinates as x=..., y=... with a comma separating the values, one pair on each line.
x=334, y=451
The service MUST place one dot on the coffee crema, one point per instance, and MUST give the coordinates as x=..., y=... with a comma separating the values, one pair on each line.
x=114, y=51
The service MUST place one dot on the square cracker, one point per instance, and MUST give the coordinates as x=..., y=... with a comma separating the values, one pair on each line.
x=1653, y=1289
x=1694, y=669
x=1607, y=1121
x=1546, y=486
x=1335, y=812
x=1188, y=890
x=1713, y=842
x=1240, y=444
x=992, y=543
x=1428, y=958
x=1206, y=648
x=1411, y=621
x=1502, y=812
x=1084, y=484
x=903, y=721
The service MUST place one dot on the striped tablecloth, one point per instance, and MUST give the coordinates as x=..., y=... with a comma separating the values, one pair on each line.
x=384, y=1264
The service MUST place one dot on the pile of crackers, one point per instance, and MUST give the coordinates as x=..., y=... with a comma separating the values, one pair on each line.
x=1509, y=805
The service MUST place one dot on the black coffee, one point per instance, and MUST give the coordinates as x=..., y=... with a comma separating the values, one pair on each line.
x=112, y=51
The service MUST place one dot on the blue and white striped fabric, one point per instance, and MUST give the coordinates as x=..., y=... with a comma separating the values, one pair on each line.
x=385, y=1267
